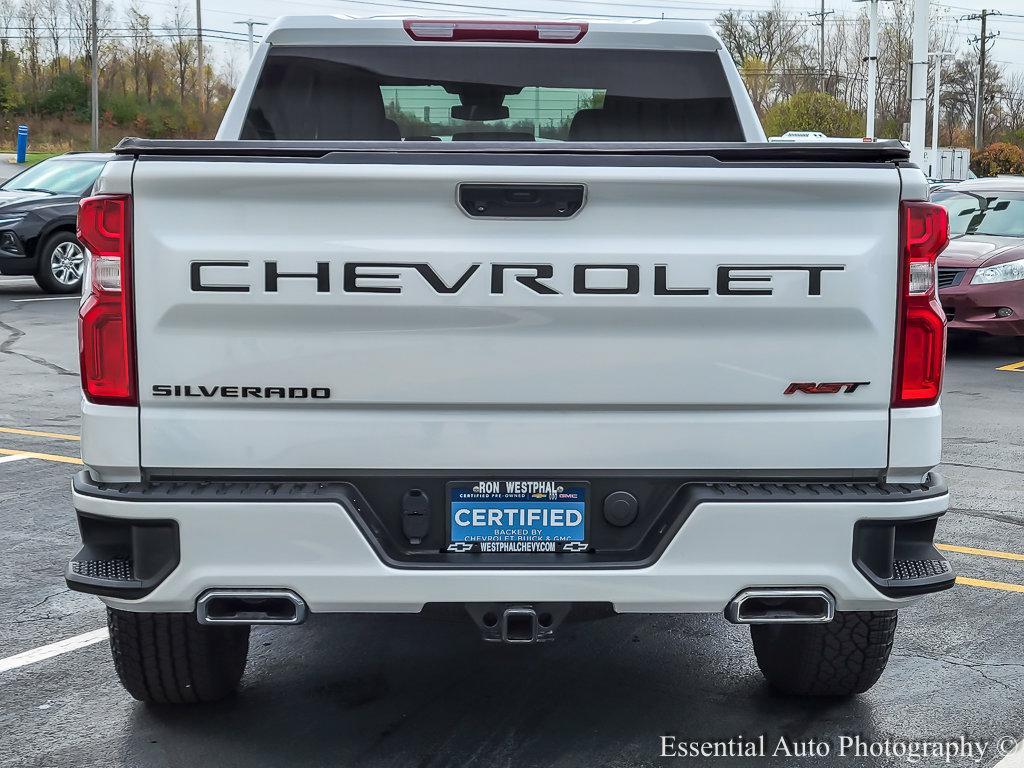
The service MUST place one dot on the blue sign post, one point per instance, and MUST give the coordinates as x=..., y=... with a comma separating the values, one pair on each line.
x=22, y=142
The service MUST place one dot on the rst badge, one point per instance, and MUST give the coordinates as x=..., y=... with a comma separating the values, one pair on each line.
x=824, y=388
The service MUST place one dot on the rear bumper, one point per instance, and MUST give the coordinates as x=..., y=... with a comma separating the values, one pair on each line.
x=973, y=307
x=726, y=538
x=17, y=265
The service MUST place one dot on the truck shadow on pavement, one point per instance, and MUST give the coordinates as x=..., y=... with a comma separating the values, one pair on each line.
x=21, y=288
x=404, y=691
x=976, y=346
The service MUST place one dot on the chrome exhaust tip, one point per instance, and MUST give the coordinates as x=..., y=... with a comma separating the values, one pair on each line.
x=781, y=606
x=250, y=606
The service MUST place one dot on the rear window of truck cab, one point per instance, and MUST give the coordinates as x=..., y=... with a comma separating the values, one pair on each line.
x=491, y=93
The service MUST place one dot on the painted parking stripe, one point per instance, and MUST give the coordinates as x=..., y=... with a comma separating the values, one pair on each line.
x=14, y=457
x=53, y=649
x=47, y=298
x=43, y=456
x=36, y=433
x=981, y=552
x=1012, y=367
x=1013, y=760
x=999, y=585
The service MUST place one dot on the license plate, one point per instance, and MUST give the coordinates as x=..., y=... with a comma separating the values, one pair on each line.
x=503, y=516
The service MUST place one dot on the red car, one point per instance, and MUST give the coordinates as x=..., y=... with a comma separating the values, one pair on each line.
x=981, y=273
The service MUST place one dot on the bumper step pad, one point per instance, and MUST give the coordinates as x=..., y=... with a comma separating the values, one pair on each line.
x=908, y=570
x=114, y=569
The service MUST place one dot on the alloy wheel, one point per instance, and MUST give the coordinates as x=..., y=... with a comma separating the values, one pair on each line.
x=66, y=263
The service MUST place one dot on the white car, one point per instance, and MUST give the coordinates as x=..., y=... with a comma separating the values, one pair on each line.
x=378, y=347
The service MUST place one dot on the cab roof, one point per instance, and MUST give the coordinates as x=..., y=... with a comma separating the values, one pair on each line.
x=340, y=29
x=1003, y=183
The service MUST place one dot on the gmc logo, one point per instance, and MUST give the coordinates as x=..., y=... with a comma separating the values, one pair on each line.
x=825, y=388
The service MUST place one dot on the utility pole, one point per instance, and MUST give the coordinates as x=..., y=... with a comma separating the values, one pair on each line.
x=919, y=82
x=821, y=43
x=199, y=60
x=250, y=24
x=872, y=61
x=935, y=171
x=979, y=104
x=979, y=101
x=872, y=67
x=95, y=81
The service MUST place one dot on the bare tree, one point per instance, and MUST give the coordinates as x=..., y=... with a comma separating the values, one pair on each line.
x=8, y=13
x=153, y=70
x=183, y=44
x=52, y=12
x=846, y=47
x=28, y=16
x=1012, y=109
x=140, y=45
x=79, y=17
x=771, y=49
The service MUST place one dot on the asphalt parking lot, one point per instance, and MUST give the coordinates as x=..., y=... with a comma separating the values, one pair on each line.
x=409, y=691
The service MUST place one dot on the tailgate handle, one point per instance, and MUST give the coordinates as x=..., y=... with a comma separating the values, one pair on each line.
x=521, y=201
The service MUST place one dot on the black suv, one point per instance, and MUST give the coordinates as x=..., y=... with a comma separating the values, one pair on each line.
x=38, y=209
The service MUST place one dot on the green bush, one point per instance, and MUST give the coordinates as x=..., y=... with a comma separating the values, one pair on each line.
x=998, y=158
x=10, y=98
x=122, y=109
x=813, y=112
x=68, y=95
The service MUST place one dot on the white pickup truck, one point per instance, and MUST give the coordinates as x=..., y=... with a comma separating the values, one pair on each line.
x=525, y=319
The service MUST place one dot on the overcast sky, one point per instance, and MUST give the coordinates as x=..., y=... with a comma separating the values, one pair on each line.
x=222, y=14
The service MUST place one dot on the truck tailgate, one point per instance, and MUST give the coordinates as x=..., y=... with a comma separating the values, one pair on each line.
x=683, y=301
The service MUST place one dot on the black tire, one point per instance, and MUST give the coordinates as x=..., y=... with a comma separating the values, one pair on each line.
x=46, y=277
x=841, y=658
x=169, y=658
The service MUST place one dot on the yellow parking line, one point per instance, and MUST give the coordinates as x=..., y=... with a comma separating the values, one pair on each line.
x=990, y=584
x=1012, y=367
x=43, y=456
x=34, y=433
x=982, y=552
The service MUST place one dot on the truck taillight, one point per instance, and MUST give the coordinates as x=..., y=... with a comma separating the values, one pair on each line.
x=105, y=334
x=496, y=31
x=921, y=323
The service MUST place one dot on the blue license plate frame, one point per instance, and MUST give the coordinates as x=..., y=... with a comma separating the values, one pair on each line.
x=514, y=516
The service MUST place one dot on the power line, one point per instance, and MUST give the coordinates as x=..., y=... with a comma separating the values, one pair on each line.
x=139, y=32
x=496, y=10
x=210, y=10
x=154, y=35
